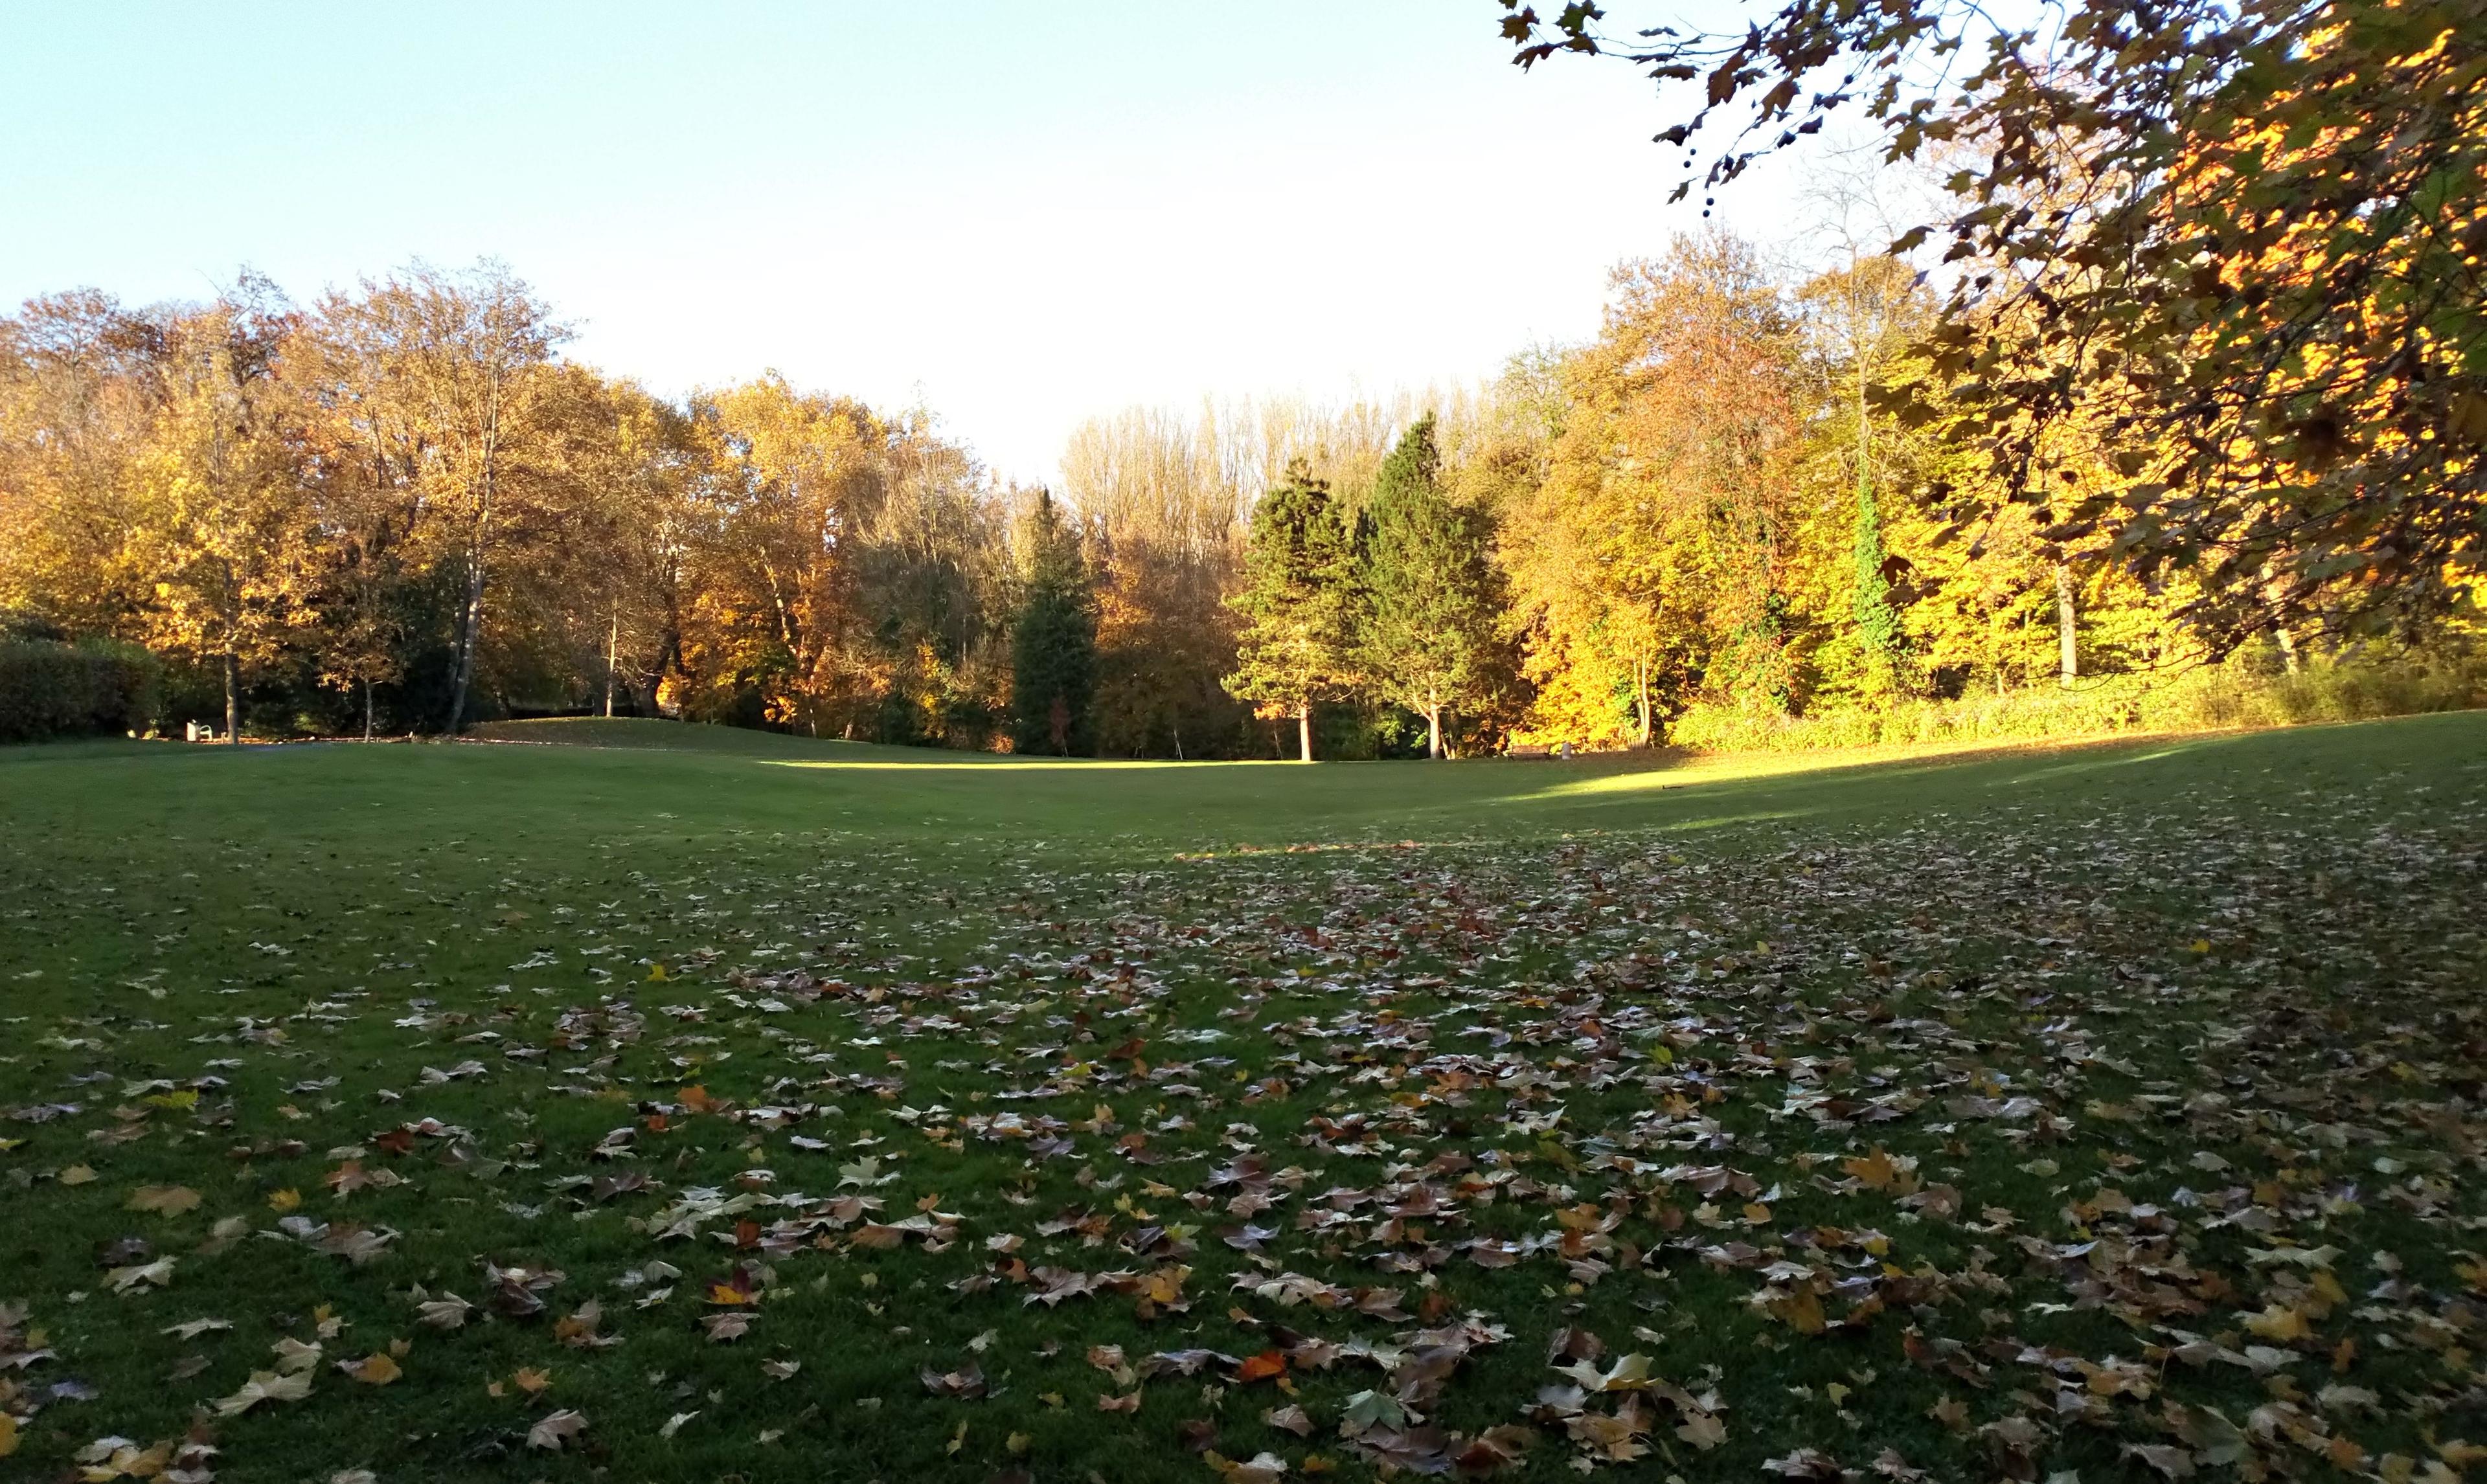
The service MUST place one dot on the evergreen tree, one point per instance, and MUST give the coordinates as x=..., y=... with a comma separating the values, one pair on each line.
x=1297, y=602
x=1053, y=645
x=1431, y=599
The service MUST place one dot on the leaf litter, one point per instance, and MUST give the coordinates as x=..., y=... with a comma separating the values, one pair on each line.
x=2121, y=1143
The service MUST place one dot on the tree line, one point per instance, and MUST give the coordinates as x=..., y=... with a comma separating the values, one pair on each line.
x=400, y=508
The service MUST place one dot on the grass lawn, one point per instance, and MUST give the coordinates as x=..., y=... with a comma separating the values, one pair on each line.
x=693, y=1105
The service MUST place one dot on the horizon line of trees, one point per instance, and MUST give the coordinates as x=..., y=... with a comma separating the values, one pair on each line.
x=400, y=510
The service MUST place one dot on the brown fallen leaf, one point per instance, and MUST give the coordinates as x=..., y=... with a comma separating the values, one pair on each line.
x=164, y=1199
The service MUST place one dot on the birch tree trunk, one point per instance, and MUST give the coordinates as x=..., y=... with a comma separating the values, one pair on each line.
x=2067, y=644
x=612, y=650
x=1304, y=732
x=472, y=629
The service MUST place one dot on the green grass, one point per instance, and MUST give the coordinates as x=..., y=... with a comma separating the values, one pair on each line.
x=2134, y=1022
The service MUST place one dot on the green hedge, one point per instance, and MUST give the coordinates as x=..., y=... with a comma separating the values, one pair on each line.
x=52, y=690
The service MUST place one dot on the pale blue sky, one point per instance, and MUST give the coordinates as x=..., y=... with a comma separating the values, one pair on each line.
x=1030, y=212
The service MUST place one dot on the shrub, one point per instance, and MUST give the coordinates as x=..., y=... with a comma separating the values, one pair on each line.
x=54, y=690
x=2354, y=685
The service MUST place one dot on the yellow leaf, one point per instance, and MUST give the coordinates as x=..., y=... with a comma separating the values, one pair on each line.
x=285, y=1200
x=2279, y=1324
x=8, y=1434
x=78, y=1175
x=375, y=1371
x=1801, y=1311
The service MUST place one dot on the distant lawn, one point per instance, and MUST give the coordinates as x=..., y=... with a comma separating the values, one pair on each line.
x=686, y=1103
x=694, y=737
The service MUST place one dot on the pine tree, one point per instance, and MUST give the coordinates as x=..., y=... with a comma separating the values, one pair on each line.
x=1053, y=644
x=1431, y=600
x=1297, y=602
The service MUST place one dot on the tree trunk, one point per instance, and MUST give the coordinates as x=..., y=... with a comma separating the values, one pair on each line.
x=2287, y=646
x=468, y=629
x=367, y=709
x=1305, y=733
x=233, y=698
x=2067, y=647
x=1433, y=732
x=1640, y=694
x=473, y=627
x=612, y=653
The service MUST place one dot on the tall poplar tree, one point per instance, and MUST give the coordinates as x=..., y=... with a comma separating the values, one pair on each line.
x=1297, y=602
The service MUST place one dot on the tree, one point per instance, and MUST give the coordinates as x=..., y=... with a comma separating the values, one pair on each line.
x=1297, y=602
x=80, y=381
x=1432, y=602
x=449, y=362
x=1864, y=315
x=1160, y=496
x=1053, y=644
x=222, y=530
x=2249, y=239
x=1661, y=538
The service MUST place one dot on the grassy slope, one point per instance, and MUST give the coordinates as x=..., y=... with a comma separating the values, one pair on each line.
x=150, y=894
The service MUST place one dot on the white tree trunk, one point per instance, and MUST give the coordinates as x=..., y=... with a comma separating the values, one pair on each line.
x=612, y=655
x=2067, y=645
x=1305, y=733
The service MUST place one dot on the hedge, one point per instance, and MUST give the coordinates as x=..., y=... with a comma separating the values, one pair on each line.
x=53, y=690
x=2357, y=685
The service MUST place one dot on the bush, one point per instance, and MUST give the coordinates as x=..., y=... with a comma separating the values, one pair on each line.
x=2356, y=685
x=55, y=690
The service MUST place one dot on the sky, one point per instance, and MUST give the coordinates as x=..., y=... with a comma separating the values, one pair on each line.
x=1016, y=214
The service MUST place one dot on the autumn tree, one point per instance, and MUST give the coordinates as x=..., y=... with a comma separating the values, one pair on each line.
x=449, y=364
x=80, y=384
x=1660, y=540
x=2248, y=240
x=222, y=528
x=1298, y=603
